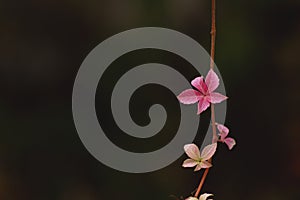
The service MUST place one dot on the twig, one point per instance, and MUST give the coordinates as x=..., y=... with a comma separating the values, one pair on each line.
x=212, y=58
x=201, y=182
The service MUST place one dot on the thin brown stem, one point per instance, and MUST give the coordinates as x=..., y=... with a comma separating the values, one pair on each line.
x=213, y=33
x=201, y=182
x=212, y=63
x=213, y=123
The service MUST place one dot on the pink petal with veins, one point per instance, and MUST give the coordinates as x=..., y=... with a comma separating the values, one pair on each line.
x=202, y=105
x=200, y=85
x=198, y=167
x=205, y=164
x=212, y=80
x=189, y=163
x=192, y=151
x=208, y=151
x=223, y=131
x=217, y=97
x=189, y=96
x=230, y=142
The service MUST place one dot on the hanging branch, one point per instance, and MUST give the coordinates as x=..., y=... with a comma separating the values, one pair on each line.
x=212, y=107
x=206, y=96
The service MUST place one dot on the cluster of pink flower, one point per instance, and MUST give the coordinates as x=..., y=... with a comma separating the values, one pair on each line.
x=204, y=96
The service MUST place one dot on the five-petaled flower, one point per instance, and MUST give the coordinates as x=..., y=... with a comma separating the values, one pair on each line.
x=200, y=160
x=204, y=94
x=230, y=142
x=202, y=197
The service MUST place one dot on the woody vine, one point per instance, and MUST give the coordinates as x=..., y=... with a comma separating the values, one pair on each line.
x=205, y=96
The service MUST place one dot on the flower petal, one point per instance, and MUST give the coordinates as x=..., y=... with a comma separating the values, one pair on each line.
x=216, y=97
x=191, y=198
x=222, y=128
x=223, y=131
x=204, y=196
x=230, y=142
x=198, y=167
x=200, y=84
x=202, y=105
x=189, y=96
x=208, y=151
x=212, y=80
x=192, y=151
x=205, y=164
x=189, y=163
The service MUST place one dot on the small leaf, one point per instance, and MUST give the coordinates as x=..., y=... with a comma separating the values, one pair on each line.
x=212, y=80
x=189, y=96
x=192, y=151
x=204, y=196
x=208, y=151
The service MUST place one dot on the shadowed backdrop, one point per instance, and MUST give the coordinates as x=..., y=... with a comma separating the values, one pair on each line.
x=42, y=45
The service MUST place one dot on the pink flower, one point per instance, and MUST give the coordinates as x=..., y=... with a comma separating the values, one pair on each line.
x=200, y=160
x=204, y=94
x=223, y=136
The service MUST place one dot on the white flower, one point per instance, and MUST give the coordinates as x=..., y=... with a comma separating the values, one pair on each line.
x=200, y=160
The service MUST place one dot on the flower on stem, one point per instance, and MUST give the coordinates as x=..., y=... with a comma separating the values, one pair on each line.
x=200, y=160
x=230, y=142
x=202, y=197
x=204, y=94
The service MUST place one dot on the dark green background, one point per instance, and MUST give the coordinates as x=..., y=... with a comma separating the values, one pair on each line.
x=42, y=44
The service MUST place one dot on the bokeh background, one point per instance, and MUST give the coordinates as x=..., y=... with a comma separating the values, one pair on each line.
x=42, y=44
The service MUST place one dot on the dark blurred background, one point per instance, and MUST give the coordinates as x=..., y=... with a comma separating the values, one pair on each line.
x=43, y=43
